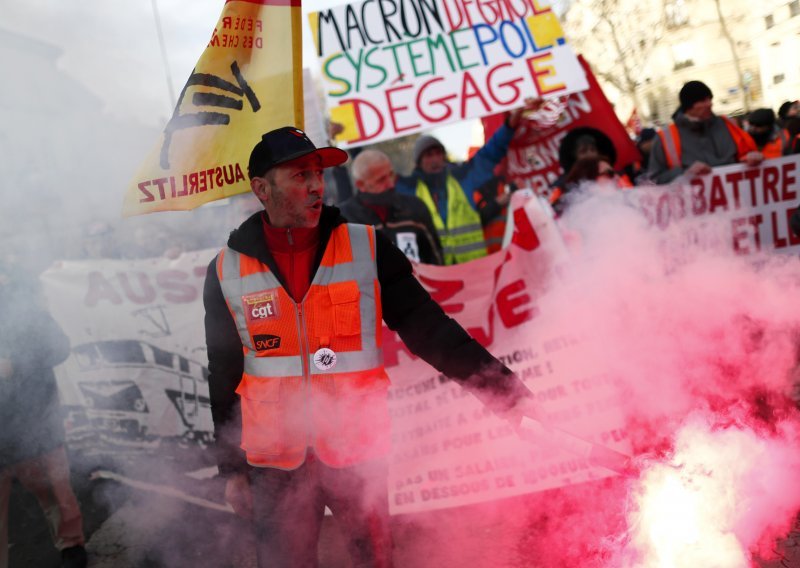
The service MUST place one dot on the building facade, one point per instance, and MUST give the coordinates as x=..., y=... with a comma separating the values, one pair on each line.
x=743, y=51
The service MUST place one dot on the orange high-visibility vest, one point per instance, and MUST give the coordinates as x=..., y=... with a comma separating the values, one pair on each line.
x=624, y=182
x=495, y=229
x=671, y=142
x=313, y=370
x=778, y=147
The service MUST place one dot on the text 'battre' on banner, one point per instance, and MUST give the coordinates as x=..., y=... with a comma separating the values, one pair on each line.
x=744, y=209
x=247, y=81
x=395, y=67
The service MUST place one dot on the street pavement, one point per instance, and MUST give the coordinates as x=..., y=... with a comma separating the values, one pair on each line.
x=157, y=516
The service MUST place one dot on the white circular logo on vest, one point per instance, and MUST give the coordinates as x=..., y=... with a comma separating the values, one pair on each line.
x=324, y=359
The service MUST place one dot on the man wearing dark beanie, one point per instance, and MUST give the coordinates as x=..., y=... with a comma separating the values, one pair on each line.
x=787, y=111
x=698, y=140
x=771, y=140
x=693, y=92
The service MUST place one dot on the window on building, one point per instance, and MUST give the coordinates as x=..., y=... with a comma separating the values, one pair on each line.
x=676, y=13
x=779, y=78
x=769, y=21
x=682, y=55
x=794, y=8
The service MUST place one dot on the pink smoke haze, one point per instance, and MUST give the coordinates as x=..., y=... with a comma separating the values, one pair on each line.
x=703, y=333
x=727, y=492
x=703, y=345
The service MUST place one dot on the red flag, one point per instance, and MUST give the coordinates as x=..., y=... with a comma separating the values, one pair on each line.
x=634, y=124
x=533, y=159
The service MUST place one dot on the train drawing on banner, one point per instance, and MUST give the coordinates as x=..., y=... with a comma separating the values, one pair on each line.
x=131, y=392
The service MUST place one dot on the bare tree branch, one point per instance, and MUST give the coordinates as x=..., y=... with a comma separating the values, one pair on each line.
x=618, y=38
x=735, y=54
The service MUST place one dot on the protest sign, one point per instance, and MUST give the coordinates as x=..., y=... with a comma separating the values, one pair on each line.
x=394, y=67
x=248, y=81
x=533, y=155
x=138, y=369
x=449, y=450
x=735, y=208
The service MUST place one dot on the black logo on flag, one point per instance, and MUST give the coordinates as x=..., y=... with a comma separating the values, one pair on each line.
x=233, y=100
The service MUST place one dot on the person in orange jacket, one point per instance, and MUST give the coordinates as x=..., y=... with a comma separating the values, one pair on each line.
x=771, y=140
x=491, y=200
x=698, y=139
x=299, y=394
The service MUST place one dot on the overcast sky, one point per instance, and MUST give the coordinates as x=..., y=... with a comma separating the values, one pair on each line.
x=111, y=46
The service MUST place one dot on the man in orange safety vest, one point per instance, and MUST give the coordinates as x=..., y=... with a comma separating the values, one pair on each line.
x=698, y=139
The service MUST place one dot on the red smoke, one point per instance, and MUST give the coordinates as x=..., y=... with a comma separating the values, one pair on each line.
x=703, y=346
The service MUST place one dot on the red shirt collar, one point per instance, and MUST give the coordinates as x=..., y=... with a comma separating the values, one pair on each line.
x=282, y=239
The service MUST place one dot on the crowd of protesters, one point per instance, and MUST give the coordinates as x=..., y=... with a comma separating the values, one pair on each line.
x=282, y=474
x=441, y=212
x=467, y=201
x=452, y=212
x=694, y=142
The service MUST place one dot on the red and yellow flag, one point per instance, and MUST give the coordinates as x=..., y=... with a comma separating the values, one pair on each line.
x=248, y=81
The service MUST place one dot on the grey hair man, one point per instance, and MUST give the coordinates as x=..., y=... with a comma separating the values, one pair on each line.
x=402, y=218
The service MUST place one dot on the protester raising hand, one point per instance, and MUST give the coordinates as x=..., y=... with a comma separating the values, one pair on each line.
x=514, y=117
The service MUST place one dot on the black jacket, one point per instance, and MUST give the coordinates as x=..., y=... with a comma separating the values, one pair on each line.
x=407, y=309
x=407, y=214
x=32, y=424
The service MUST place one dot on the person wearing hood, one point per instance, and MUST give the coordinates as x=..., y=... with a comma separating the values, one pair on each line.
x=402, y=218
x=644, y=143
x=787, y=111
x=447, y=189
x=294, y=306
x=771, y=140
x=698, y=140
x=585, y=154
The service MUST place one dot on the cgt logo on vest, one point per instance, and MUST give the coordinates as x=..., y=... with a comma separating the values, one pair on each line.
x=266, y=342
x=261, y=306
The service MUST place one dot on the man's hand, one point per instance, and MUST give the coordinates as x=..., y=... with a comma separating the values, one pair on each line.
x=525, y=407
x=6, y=368
x=238, y=495
x=698, y=169
x=515, y=116
x=753, y=158
x=334, y=129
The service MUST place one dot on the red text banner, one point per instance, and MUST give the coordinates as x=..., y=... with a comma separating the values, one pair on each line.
x=739, y=208
x=450, y=450
x=533, y=159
